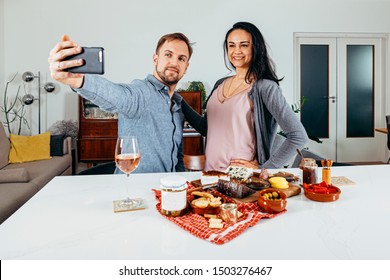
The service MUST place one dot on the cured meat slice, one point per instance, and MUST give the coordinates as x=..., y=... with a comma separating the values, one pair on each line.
x=234, y=188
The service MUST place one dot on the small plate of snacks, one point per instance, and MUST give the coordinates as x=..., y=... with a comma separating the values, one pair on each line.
x=205, y=203
x=272, y=201
x=209, y=206
x=321, y=192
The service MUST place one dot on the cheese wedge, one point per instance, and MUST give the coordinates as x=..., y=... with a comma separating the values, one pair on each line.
x=278, y=182
x=240, y=172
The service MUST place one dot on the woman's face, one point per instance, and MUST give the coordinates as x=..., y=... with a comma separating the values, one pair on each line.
x=239, y=48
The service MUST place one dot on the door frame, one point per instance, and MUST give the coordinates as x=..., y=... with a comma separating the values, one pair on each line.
x=384, y=84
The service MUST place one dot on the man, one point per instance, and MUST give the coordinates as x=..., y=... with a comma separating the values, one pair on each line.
x=149, y=109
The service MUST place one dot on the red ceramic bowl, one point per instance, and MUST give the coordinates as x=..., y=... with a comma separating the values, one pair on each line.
x=322, y=197
x=272, y=206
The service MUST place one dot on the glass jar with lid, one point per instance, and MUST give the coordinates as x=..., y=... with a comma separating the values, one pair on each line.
x=309, y=171
x=326, y=172
x=173, y=195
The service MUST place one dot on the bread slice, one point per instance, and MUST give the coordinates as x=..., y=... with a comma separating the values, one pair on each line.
x=208, y=216
x=215, y=223
x=201, y=202
x=215, y=202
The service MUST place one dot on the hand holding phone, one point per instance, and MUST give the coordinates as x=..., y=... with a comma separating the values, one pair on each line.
x=93, y=61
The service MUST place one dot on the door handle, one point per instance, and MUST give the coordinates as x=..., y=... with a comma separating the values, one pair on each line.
x=330, y=97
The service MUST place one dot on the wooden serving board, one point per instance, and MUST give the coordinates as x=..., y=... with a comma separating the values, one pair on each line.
x=290, y=191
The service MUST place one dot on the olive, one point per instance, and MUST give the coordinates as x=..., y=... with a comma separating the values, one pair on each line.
x=275, y=194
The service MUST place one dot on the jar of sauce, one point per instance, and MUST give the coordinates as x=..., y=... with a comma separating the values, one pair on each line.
x=173, y=195
x=309, y=171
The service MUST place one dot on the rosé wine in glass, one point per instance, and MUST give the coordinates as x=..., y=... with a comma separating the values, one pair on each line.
x=127, y=162
x=127, y=159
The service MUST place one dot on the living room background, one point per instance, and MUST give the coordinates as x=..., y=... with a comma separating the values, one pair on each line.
x=129, y=30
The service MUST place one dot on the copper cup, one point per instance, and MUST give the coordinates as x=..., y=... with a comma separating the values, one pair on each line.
x=229, y=212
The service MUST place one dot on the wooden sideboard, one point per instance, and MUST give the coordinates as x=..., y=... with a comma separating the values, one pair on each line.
x=193, y=142
x=98, y=131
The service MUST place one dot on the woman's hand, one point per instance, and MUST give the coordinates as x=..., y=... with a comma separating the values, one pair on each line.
x=61, y=50
x=241, y=162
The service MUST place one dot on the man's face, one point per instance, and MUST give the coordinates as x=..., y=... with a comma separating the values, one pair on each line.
x=171, y=62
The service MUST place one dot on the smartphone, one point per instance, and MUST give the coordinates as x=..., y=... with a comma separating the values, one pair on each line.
x=93, y=61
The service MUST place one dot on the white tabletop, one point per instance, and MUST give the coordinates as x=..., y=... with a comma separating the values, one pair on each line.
x=72, y=218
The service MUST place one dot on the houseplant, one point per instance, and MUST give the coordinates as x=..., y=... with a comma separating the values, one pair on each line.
x=196, y=86
x=14, y=111
x=297, y=108
x=68, y=128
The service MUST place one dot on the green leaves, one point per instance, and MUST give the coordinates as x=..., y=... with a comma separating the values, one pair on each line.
x=196, y=86
x=298, y=107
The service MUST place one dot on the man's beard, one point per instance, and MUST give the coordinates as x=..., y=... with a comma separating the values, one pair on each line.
x=168, y=80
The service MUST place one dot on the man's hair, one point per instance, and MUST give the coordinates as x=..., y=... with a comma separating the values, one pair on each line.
x=172, y=37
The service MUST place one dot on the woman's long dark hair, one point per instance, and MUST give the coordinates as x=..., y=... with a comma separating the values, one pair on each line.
x=261, y=66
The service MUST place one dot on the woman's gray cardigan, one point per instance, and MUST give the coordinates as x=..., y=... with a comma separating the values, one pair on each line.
x=270, y=110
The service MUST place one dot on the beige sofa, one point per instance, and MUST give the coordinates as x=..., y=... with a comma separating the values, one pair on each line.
x=20, y=181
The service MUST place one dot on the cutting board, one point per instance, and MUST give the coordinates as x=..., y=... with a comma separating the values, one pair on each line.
x=290, y=191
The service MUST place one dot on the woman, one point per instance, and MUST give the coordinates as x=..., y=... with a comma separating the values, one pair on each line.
x=244, y=110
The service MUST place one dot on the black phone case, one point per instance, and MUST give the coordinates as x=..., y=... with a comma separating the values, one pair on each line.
x=93, y=61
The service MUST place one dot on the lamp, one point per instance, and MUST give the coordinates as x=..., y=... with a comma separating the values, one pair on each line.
x=28, y=99
x=49, y=87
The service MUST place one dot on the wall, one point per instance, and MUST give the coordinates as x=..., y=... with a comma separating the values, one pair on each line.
x=129, y=30
x=1, y=51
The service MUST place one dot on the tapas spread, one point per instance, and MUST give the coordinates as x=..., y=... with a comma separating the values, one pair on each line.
x=242, y=184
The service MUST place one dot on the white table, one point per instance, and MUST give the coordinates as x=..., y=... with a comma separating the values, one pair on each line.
x=72, y=218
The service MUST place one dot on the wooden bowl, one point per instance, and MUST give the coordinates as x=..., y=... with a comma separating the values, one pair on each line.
x=272, y=206
x=208, y=210
x=322, y=197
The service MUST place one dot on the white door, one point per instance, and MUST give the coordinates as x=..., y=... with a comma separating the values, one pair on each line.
x=341, y=77
x=317, y=83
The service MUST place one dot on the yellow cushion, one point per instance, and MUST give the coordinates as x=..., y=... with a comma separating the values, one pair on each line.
x=29, y=148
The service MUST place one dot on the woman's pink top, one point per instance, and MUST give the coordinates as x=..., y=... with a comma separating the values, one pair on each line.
x=230, y=132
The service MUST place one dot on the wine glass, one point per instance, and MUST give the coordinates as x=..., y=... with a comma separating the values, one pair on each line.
x=127, y=158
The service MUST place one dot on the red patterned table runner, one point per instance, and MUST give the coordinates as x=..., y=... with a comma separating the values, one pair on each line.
x=199, y=225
